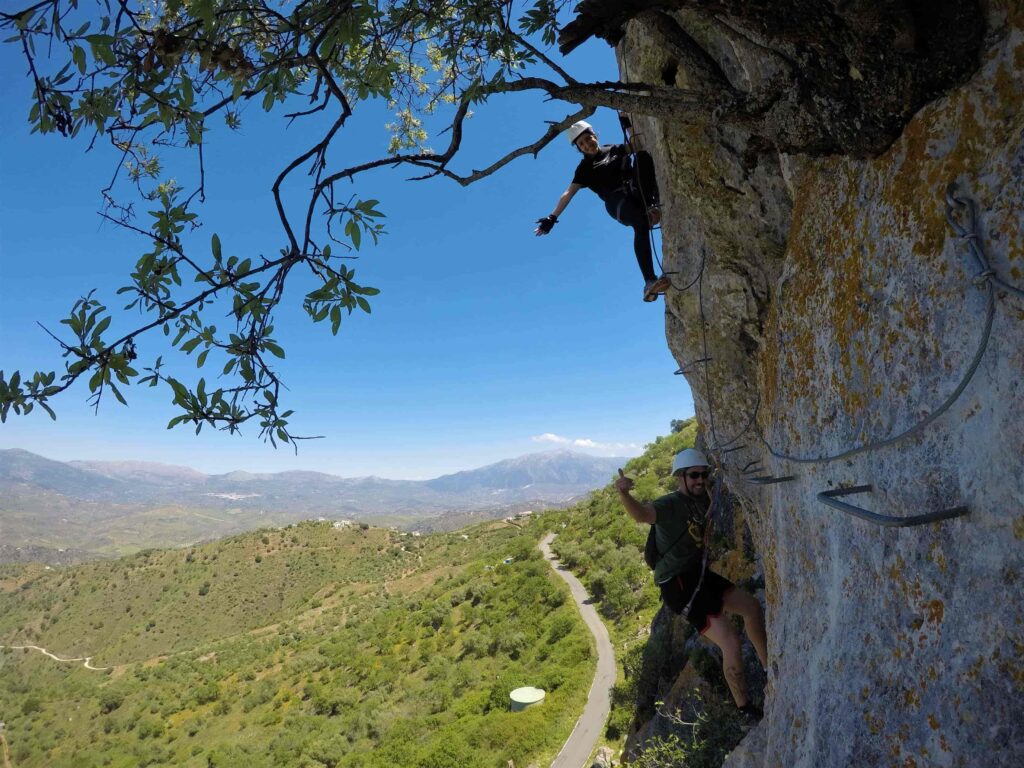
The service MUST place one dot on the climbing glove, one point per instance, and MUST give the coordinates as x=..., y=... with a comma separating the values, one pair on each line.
x=545, y=224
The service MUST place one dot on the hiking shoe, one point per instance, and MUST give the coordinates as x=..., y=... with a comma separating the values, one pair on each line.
x=653, y=288
x=750, y=716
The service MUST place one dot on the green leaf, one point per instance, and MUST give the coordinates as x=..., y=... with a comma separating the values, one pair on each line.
x=78, y=54
x=215, y=246
x=117, y=394
x=187, y=94
x=99, y=329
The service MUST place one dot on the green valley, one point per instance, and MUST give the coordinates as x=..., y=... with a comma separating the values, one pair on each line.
x=306, y=646
x=323, y=645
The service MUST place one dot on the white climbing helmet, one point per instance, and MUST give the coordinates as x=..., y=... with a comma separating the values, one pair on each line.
x=688, y=457
x=578, y=129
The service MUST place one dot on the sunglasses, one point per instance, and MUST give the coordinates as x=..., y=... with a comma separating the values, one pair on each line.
x=698, y=475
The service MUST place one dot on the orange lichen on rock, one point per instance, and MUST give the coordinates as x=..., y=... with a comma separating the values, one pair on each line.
x=934, y=610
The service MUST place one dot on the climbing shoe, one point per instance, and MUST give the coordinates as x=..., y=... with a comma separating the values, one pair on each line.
x=653, y=288
x=654, y=215
x=750, y=716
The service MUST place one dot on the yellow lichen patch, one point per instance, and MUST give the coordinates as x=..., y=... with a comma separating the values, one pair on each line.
x=937, y=556
x=1018, y=528
x=934, y=610
x=874, y=723
x=974, y=670
x=911, y=698
x=933, y=722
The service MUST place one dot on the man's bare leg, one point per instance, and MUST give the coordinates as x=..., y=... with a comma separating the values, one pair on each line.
x=721, y=633
x=746, y=606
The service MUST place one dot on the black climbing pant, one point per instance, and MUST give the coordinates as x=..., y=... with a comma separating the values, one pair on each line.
x=628, y=205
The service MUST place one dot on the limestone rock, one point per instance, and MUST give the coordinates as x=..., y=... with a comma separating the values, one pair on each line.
x=839, y=309
x=605, y=758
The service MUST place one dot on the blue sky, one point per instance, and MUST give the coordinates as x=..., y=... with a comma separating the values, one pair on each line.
x=485, y=342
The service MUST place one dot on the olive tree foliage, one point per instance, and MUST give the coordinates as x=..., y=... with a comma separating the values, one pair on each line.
x=154, y=77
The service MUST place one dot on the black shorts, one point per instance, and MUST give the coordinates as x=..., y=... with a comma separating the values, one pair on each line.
x=676, y=593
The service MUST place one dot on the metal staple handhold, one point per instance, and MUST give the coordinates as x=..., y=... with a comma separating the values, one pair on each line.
x=681, y=371
x=769, y=480
x=888, y=521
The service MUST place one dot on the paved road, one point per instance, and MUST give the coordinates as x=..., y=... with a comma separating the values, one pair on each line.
x=584, y=736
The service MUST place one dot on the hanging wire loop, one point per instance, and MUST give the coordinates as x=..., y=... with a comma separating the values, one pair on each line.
x=969, y=232
x=985, y=280
x=887, y=521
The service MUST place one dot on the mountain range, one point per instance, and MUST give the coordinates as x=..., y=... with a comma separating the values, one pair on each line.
x=99, y=508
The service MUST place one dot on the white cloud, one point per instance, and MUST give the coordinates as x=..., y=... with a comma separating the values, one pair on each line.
x=549, y=437
x=585, y=442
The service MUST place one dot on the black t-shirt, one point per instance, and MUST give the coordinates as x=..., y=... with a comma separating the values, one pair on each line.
x=679, y=532
x=607, y=171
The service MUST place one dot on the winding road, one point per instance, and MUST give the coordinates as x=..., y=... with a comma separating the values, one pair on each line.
x=87, y=660
x=583, y=739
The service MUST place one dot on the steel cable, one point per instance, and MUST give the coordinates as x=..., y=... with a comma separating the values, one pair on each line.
x=985, y=277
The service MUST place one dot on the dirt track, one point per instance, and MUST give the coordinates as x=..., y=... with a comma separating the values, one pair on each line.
x=86, y=660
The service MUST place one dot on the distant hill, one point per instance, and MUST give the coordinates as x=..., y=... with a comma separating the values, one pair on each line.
x=106, y=508
x=551, y=469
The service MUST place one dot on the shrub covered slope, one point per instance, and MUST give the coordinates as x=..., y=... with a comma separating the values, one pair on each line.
x=308, y=646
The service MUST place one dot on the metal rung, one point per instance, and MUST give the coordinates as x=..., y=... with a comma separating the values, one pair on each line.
x=828, y=497
x=681, y=371
x=769, y=480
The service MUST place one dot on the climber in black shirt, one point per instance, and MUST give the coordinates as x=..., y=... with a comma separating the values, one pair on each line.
x=630, y=195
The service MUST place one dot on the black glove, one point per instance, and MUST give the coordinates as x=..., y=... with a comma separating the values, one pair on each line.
x=545, y=224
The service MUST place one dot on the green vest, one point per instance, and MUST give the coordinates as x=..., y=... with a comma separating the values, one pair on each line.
x=679, y=532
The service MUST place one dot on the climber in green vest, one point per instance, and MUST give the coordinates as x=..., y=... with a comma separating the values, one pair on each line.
x=688, y=586
x=627, y=188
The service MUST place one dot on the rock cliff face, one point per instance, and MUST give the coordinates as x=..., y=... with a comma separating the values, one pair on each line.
x=823, y=303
